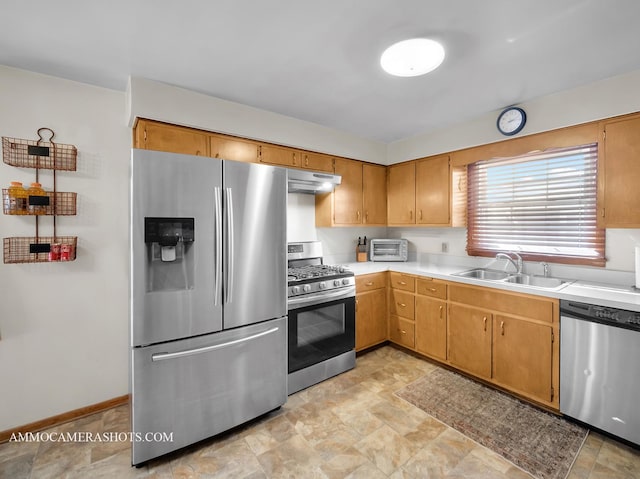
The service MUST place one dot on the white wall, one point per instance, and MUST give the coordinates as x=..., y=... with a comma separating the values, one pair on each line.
x=610, y=97
x=159, y=101
x=64, y=326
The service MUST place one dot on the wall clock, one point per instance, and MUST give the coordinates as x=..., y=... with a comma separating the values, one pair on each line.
x=511, y=120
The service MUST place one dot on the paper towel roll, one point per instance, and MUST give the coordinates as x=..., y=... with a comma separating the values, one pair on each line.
x=637, y=266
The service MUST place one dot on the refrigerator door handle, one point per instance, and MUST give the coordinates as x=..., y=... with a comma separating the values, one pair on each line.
x=230, y=252
x=217, y=289
x=213, y=347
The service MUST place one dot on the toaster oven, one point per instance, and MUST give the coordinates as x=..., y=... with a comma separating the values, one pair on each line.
x=388, y=250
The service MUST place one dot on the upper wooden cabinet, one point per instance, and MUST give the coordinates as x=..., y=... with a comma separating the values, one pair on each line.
x=419, y=192
x=401, y=193
x=347, y=197
x=316, y=161
x=433, y=192
x=278, y=155
x=374, y=194
x=152, y=135
x=620, y=154
x=358, y=200
x=292, y=158
x=232, y=148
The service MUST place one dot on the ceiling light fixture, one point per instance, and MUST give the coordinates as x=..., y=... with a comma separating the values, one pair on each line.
x=414, y=57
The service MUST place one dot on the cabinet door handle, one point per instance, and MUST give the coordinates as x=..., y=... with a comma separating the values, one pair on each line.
x=306, y=160
x=358, y=215
x=356, y=305
x=366, y=217
x=410, y=214
x=420, y=214
x=485, y=322
x=502, y=328
x=441, y=312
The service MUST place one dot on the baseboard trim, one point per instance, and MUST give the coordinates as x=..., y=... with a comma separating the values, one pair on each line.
x=64, y=417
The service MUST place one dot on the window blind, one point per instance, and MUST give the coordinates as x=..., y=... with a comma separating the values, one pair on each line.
x=542, y=205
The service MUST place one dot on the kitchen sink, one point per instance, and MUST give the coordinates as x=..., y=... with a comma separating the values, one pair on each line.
x=481, y=273
x=533, y=280
x=516, y=278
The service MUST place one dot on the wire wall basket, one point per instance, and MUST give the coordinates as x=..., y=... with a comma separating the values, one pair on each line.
x=39, y=153
x=39, y=249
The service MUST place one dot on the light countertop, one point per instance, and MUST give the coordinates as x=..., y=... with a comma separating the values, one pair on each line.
x=582, y=291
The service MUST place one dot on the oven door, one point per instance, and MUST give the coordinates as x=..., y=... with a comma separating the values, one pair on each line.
x=321, y=327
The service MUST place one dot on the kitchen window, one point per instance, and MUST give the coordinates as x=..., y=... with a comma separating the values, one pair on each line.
x=542, y=205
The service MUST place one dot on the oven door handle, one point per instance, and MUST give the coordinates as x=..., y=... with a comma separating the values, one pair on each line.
x=319, y=298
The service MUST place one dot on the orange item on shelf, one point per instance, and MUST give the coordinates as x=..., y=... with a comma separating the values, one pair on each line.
x=17, y=199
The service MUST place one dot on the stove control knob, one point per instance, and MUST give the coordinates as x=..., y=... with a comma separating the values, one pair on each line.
x=336, y=282
x=345, y=281
x=322, y=285
x=306, y=288
x=295, y=289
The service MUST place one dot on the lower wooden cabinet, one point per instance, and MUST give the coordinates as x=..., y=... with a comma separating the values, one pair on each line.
x=431, y=327
x=402, y=331
x=469, y=340
x=371, y=310
x=504, y=338
x=523, y=356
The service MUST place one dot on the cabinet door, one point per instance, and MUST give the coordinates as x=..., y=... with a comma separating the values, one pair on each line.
x=229, y=148
x=621, y=173
x=279, y=155
x=431, y=327
x=347, y=197
x=469, y=339
x=317, y=161
x=401, y=193
x=150, y=135
x=371, y=318
x=522, y=356
x=433, y=191
x=402, y=331
x=374, y=194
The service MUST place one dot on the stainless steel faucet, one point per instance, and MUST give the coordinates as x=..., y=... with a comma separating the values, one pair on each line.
x=545, y=269
x=517, y=264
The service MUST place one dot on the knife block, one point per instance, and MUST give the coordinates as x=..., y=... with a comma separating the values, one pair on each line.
x=361, y=256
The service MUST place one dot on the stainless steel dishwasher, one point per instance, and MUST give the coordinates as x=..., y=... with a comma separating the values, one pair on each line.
x=599, y=361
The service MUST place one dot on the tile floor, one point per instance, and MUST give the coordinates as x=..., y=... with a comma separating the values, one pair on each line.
x=351, y=426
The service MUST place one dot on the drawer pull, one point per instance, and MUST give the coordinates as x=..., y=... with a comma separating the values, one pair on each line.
x=402, y=283
x=433, y=290
x=402, y=305
x=370, y=283
x=403, y=331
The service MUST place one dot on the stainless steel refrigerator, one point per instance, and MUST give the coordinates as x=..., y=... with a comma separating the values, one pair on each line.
x=208, y=297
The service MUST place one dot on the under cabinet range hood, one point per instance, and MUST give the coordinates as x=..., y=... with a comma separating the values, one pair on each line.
x=311, y=182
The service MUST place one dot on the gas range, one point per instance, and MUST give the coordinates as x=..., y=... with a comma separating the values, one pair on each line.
x=308, y=275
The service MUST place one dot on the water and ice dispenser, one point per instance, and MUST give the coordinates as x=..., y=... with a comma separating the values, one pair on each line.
x=170, y=259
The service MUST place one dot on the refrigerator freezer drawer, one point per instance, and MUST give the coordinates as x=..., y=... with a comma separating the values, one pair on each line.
x=196, y=388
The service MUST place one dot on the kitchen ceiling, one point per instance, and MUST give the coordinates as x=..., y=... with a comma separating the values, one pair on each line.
x=319, y=61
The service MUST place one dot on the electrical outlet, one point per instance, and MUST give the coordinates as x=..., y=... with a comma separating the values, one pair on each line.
x=445, y=247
